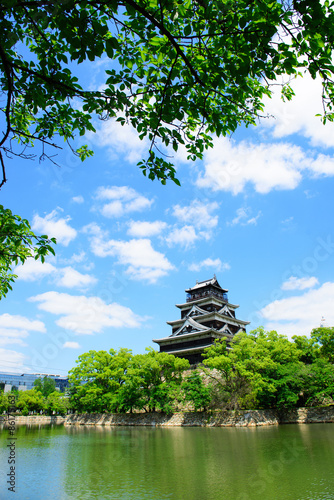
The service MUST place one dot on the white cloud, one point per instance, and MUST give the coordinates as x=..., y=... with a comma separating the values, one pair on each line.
x=16, y=321
x=78, y=199
x=76, y=258
x=121, y=140
x=124, y=193
x=4, y=341
x=294, y=283
x=12, y=361
x=86, y=315
x=55, y=226
x=70, y=278
x=14, y=328
x=9, y=336
x=231, y=166
x=243, y=218
x=124, y=200
x=298, y=115
x=33, y=270
x=184, y=236
x=217, y=264
x=71, y=345
x=298, y=315
x=142, y=229
x=198, y=214
x=144, y=263
x=199, y=223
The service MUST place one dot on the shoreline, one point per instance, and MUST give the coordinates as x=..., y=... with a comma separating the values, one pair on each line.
x=216, y=418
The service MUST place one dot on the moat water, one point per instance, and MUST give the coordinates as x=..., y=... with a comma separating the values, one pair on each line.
x=291, y=462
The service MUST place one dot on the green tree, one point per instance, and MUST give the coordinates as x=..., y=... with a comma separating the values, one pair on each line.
x=30, y=400
x=153, y=382
x=258, y=369
x=230, y=389
x=318, y=383
x=162, y=378
x=196, y=391
x=4, y=403
x=308, y=347
x=95, y=382
x=179, y=71
x=45, y=385
x=324, y=336
x=57, y=403
x=17, y=244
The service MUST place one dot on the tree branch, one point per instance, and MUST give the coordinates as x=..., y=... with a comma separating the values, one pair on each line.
x=168, y=35
x=9, y=74
x=4, y=179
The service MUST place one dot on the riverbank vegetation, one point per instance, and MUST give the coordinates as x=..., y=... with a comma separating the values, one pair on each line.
x=259, y=370
x=32, y=401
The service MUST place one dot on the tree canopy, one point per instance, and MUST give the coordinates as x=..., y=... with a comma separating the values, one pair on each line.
x=45, y=385
x=178, y=71
x=266, y=370
x=120, y=381
x=17, y=244
x=261, y=369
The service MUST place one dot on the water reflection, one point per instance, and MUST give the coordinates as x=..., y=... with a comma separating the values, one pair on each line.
x=292, y=462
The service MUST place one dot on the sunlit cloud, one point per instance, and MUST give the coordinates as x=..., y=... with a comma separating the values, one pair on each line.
x=33, y=270
x=78, y=199
x=298, y=116
x=86, y=315
x=142, y=261
x=184, y=236
x=12, y=361
x=197, y=213
x=216, y=264
x=143, y=229
x=71, y=345
x=55, y=226
x=244, y=218
x=70, y=278
x=298, y=315
x=120, y=200
x=294, y=283
x=14, y=328
x=265, y=167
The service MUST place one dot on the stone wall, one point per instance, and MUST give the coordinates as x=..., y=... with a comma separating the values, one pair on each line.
x=34, y=420
x=242, y=418
x=308, y=415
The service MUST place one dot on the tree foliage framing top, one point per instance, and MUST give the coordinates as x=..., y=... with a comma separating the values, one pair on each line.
x=179, y=72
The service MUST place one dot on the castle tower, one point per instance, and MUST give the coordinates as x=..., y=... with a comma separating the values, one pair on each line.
x=205, y=316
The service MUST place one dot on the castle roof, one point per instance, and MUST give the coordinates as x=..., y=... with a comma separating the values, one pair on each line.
x=202, y=284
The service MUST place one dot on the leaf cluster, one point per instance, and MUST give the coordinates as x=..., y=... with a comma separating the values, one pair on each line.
x=33, y=400
x=267, y=370
x=18, y=243
x=178, y=72
x=120, y=381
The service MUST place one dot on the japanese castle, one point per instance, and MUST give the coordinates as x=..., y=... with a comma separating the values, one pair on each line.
x=205, y=316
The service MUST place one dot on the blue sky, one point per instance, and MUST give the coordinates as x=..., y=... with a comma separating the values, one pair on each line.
x=257, y=212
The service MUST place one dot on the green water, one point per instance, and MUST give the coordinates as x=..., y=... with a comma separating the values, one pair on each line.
x=292, y=462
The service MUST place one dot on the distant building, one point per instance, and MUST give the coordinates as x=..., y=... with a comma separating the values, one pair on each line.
x=25, y=381
x=206, y=316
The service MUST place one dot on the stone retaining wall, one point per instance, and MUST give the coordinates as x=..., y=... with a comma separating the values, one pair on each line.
x=308, y=415
x=242, y=418
x=34, y=420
